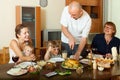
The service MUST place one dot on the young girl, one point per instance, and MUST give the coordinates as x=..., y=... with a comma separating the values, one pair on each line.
x=28, y=50
x=52, y=50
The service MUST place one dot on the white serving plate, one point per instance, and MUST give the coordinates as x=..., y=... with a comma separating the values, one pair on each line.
x=97, y=56
x=17, y=71
x=58, y=59
x=80, y=57
x=84, y=61
x=25, y=64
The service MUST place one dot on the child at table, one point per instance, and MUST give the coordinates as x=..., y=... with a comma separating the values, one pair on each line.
x=53, y=50
x=28, y=50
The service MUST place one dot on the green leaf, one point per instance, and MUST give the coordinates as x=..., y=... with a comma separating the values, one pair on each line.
x=67, y=72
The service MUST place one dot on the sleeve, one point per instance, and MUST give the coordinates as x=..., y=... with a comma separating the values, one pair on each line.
x=94, y=42
x=87, y=27
x=63, y=20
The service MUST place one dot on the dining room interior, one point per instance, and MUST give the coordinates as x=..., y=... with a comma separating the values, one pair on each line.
x=49, y=22
x=47, y=27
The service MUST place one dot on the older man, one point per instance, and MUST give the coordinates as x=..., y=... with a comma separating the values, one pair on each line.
x=76, y=24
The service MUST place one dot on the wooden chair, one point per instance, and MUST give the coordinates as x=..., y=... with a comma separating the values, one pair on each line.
x=40, y=52
x=4, y=55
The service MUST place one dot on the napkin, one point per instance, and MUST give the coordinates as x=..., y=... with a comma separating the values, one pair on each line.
x=114, y=53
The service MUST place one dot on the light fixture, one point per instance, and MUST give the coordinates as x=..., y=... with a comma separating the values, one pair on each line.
x=43, y=3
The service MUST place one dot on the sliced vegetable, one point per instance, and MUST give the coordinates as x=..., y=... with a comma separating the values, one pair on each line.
x=67, y=72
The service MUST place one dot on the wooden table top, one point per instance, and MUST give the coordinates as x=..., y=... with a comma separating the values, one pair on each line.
x=88, y=74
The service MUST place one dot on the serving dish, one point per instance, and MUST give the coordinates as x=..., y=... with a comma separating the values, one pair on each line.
x=57, y=59
x=71, y=64
x=25, y=64
x=17, y=71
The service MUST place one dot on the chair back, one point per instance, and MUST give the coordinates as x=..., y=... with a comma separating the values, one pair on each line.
x=4, y=55
x=40, y=52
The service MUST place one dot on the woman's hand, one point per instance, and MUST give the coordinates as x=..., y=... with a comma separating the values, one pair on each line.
x=32, y=56
x=108, y=55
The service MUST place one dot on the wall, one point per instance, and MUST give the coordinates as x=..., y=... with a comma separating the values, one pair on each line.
x=52, y=13
x=112, y=13
x=50, y=16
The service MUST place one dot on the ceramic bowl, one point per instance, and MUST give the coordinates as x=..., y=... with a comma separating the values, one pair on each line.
x=100, y=68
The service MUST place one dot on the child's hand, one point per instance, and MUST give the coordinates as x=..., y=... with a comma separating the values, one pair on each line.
x=49, y=49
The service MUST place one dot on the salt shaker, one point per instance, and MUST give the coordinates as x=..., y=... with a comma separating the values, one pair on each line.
x=90, y=55
x=94, y=64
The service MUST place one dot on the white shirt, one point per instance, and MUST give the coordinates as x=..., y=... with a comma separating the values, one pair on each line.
x=11, y=53
x=78, y=28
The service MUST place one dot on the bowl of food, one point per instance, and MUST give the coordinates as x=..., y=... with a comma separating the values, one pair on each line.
x=31, y=69
x=71, y=64
x=34, y=69
x=41, y=63
x=105, y=63
x=50, y=66
x=100, y=68
x=79, y=70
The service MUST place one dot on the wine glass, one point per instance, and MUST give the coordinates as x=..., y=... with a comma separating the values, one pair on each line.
x=94, y=50
x=15, y=59
x=87, y=51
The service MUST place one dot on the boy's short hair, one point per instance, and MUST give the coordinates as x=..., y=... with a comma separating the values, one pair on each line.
x=53, y=44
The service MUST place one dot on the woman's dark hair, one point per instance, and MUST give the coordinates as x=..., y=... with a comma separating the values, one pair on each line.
x=113, y=25
x=18, y=29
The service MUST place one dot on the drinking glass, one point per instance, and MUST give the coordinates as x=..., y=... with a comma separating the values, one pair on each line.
x=94, y=50
x=64, y=54
x=87, y=51
x=15, y=59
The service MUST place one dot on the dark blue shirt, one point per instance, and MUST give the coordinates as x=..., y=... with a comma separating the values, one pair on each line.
x=102, y=47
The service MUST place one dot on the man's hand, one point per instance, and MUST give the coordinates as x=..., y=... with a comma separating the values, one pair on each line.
x=72, y=43
x=69, y=36
x=76, y=56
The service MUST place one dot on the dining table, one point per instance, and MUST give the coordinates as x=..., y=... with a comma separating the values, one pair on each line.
x=88, y=73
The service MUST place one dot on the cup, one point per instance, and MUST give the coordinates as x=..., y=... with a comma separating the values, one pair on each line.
x=64, y=54
x=114, y=53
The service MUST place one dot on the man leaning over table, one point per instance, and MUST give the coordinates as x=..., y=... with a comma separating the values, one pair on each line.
x=76, y=24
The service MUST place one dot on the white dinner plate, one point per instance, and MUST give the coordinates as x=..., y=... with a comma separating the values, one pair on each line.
x=72, y=56
x=57, y=59
x=97, y=56
x=84, y=61
x=16, y=71
x=25, y=64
